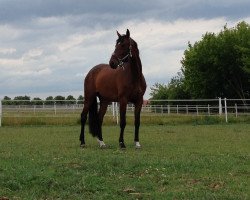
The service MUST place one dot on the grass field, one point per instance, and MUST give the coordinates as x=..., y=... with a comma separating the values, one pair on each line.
x=175, y=162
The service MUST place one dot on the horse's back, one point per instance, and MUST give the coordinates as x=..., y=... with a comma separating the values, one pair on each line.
x=96, y=69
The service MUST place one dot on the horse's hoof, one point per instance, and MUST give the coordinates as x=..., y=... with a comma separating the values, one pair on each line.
x=137, y=145
x=103, y=146
x=122, y=145
x=82, y=146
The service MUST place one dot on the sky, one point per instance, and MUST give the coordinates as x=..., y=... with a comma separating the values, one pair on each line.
x=48, y=46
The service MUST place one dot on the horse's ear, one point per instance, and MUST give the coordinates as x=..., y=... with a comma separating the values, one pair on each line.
x=128, y=33
x=119, y=35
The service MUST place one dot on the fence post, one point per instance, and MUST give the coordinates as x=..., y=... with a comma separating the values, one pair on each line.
x=208, y=109
x=113, y=110
x=55, y=107
x=168, y=109
x=0, y=113
x=187, y=109
x=220, y=106
x=117, y=113
x=225, y=103
x=34, y=109
x=177, y=109
x=197, y=112
x=236, y=110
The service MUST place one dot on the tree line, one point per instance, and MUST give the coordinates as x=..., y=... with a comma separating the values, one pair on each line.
x=50, y=100
x=216, y=66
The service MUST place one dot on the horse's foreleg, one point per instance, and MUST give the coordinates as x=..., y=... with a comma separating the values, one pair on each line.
x=123, y=108
x=138, y=107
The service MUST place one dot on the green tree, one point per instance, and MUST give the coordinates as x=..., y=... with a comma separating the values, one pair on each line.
x=49, y=100
x=175, y=89
x=159, y=91
x=7, y=101
x=70, y=100
x=80, y=99
x=59, y=99
x=37, y=101
x=218, y=65
x=22, y=100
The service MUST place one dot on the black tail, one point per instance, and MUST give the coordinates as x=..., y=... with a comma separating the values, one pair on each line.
x=94, y=124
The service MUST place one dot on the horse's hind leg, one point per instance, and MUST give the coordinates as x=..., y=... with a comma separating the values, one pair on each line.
x=84, y=115
x=102, y=111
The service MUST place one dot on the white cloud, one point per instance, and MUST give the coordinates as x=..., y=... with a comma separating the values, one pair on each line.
x=10, y=33
x=50, y=21
x=7, y=50
x=81, y=75
x=72, y=41
x=33, y=53
x=6, y=62
x=43, y=71
x=24, y=61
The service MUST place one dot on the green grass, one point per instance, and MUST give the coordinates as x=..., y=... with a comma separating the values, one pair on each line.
x=176, y=162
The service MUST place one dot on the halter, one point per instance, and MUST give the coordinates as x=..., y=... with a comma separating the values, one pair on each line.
x=122, y=60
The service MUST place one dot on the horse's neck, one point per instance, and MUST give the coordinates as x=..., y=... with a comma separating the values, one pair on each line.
x=136, y=69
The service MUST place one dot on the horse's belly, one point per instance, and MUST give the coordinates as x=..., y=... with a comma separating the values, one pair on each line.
x=106, y=87
x=108, y=94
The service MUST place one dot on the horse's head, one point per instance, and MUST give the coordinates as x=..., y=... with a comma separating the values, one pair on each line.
x=123, y=50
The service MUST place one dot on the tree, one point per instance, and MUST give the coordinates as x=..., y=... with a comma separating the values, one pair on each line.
x=37, y=101
x=59, y=99
x=7, y=100
x=218, y=65
x=175, y=89
x=159, y=91
x=22, y=100
x=70, y=99
x=49, y=100
x=80, y=99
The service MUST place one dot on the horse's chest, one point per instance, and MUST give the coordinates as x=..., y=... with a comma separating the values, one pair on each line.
x=135, y=91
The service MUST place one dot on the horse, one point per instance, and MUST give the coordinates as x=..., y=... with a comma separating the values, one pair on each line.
x=119, y=81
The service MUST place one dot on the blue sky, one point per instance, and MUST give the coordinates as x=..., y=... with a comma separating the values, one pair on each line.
x=48, y=46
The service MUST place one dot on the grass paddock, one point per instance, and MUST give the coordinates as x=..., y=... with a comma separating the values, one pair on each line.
x=175, y=162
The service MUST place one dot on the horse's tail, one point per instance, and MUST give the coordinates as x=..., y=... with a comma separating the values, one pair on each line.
x=94, y=124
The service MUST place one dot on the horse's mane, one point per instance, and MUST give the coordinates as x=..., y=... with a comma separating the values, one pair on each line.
x=136, y=61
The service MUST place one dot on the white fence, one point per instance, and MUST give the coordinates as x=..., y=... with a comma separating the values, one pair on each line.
x=197, y=107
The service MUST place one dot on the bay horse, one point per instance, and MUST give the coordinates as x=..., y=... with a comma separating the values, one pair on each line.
x=119, y=81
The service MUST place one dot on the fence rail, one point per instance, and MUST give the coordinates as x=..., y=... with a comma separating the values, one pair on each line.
x=197, y=107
